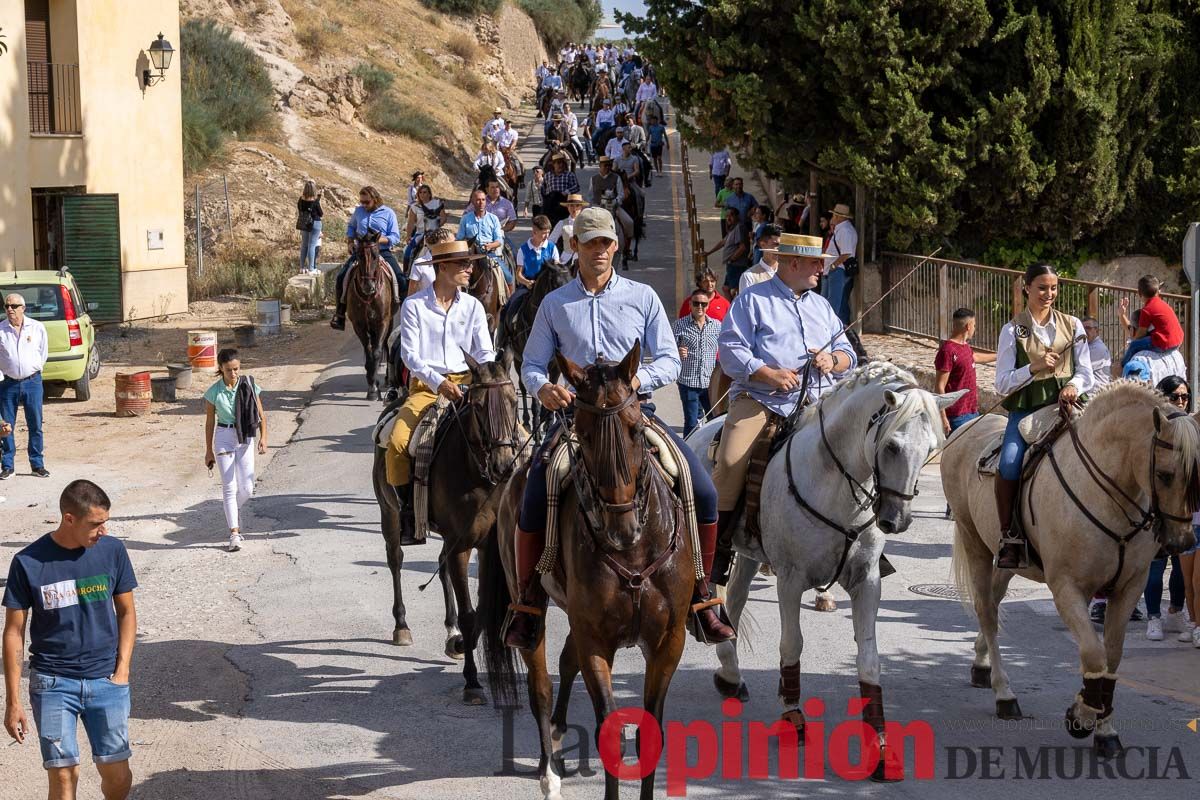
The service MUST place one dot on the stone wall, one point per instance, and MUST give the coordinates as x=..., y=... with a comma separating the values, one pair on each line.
x=520, y=45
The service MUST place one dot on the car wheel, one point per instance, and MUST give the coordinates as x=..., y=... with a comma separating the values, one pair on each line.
x=83, y=388
x=93, y=366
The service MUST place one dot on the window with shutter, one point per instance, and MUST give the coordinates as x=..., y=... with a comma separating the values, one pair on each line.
x=92, y=251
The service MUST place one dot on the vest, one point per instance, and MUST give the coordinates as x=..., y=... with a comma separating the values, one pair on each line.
x=1044, y=389
x=534, y=258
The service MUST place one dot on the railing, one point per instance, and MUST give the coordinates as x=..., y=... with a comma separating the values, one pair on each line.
x=924, y=304
x=54, y=98
x=699, y=263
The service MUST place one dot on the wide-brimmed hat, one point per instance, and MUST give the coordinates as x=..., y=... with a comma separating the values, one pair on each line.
x=592, y=223
x=794, y=244
x=575, y=200
x=497, y=110
x=841, y=210
x=604, y=160
x=559, y=156
x=454, y=250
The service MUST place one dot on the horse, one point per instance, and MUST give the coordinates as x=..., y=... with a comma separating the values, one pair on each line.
x=1126, y=466
x=633, y=203
x=369, y=307
x=484, y=286
x=487, y=174
x=650, y=112
x=875, y=429
x=515, y=325
x=625, y=578
x=601, y=90
x=476, y=448
x=610, y=203
x=514, y=172
x=579, y=79
x=555, y=146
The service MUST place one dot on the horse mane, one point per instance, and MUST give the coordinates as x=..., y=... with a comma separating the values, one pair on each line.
x=880, y=373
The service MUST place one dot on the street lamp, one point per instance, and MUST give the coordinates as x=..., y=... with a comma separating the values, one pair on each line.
x=160, y=56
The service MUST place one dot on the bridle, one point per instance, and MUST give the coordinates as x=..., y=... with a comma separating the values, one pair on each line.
x=609, y=422
x=366, y=277
x=488, y=421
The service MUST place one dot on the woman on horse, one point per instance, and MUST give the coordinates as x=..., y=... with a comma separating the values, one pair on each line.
x=1042, y=358
x=489, y=157
x=371, y=216
x=425, y=214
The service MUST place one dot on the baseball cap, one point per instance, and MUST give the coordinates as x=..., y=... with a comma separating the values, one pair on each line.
x=593, y=223
x=1137, y=369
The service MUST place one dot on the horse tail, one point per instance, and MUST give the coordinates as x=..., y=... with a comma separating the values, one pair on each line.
x=494, y=599
x=960, y=566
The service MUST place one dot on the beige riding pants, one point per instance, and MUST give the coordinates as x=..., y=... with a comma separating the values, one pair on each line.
x=397, y=459
x=745, y=421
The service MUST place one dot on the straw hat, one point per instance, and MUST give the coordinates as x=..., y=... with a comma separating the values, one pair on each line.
x=559, y=156
x=604, y=160
x=842, y=210
x=454, y=250
x=793, y=244
x=575, y=200
x=497, y=110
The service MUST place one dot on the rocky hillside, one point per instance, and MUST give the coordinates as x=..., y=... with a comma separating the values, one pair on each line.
x=448, y=72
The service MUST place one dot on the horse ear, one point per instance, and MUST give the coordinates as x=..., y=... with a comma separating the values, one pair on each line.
x=890, y=398
x=944, y=401
x=472, y=364
x=1158, y=420
x=575, y=374
x=505, y=360
x=630, y=363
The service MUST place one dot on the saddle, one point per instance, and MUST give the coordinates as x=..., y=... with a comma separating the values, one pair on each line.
x=1040, y=430
x=770, y=440
x=389, y=276
x=421, y=447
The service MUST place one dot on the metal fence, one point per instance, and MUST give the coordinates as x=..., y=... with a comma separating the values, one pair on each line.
x=924, y=304
x=54, y=98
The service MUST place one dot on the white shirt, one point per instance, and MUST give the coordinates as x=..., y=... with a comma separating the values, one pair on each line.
x=492, y=128
x=22, y=354
x=431, y=223
x=646, y=91
x=506, y=138
x=495, y=159
x=566, y=229
x=760, y=272
x=572, y=123
x=1009, y=378
x=613, y=149
x=432, y=341
x=720, y=163
x=844, y=241
x=1101, y=363
x=423, y=271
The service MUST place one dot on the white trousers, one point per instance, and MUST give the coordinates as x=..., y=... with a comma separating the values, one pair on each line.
x=235, y=462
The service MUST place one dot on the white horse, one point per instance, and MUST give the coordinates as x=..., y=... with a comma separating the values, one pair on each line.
x=848, y=471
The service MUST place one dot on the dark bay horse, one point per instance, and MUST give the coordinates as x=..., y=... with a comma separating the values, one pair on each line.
x=514, y=172
x=484, y=285
x=475, y=452
x=634, y=539
x=370, y=306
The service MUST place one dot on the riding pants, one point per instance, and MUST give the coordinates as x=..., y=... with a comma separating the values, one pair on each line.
x=533, y=505
x=1012, y=450
x=386, y=255
x=745, y=421
x=420, y=398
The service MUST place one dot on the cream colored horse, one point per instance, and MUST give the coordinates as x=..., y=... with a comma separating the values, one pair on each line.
x=1131, y=437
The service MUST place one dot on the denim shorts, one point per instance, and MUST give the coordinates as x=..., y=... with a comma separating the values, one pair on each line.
x=58, y=703
x=1196, y=544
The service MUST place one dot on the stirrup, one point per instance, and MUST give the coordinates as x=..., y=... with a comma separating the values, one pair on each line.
x=718, y=608
x=1022, y=546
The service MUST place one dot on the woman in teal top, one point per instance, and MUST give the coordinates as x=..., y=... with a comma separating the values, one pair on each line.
x=229, y=435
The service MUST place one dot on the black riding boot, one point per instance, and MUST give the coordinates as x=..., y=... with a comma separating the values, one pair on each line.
x=723, y=559
x=338, y=323
x=1014, y=548
x=408, y=517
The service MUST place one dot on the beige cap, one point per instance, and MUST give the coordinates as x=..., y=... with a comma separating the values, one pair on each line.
x=592, y=223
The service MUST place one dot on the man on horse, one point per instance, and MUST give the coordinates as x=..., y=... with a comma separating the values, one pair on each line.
x=607, y=181
x=492, y=128
x=550, y=84
x=605, y=118
x=561, y=183
x=599, y=315
x=438, y=325
x=485, y=229
x=507, y=138
x=780, y=338
x=371, y=215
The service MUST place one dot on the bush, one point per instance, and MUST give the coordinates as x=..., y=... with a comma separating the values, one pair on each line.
x=317, y=37
x=375, y=79
x=252, y=268
x=464, y=46
x=389, y=114
x=470, y=82
x=562, y=21
x=225, y=89
x=465, y=8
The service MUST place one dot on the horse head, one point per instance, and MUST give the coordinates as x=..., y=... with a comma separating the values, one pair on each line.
x=1174, y=477
x=367, y=276
x=554, y=275
x=489, y=415
x=610, y=429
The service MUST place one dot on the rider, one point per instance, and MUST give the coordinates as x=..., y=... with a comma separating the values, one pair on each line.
x=572, y=123
x=425, y=214
x=437, y=326
x=560, y=181
x=507, y=138
x=537, y=251
x=565, y=228
x=371, y=215
x=503, y=209
x=770, y=336
x=418, y=180
x=599, y=315
x=646, y=91
x=605, y=118
x=552, y=83
x=605, y=181
x=539, y=75
x=1042, y=359
x=485, y=228
x=489, y=157
x=492, y=128
x=613, y=148
x=422, y=273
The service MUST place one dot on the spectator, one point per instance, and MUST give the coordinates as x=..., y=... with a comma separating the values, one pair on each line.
x=955, y=364
x=718, y=307
x=79, y=584
x=233, y=415
x=735, y=252
x=839, y=278
x=722, y=196
x=768, y=262
x=24, y=348
x=1176, y=391
x=825, y=227
x=658, y=141
x=534, y=204
x=696, y=335
x=1158, y=328
x=1101, y=358
x=718, y=169
x=743, y=201
x=308, y=222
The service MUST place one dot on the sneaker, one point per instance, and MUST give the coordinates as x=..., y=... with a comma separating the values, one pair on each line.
x=1154, y=631
x=1096, y=612
x=1175, y=620
x=1185, y=635
x=1195, y=636
x=235, y=542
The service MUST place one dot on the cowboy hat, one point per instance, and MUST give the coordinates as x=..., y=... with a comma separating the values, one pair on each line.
x=575, y=200
x=454, y=250
x=842, y=210
x=497, y=110
x=559, y=156
x=793, y=244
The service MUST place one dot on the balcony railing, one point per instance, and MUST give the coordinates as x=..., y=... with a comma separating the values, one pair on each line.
x=54, y=98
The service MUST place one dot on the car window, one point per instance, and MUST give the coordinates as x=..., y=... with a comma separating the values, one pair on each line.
x=43, y=303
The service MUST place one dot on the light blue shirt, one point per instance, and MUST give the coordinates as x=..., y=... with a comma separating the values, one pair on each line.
x=382, y=219
x=487, y=228
x=585, y=327
x=768, y=325
x=432, y=341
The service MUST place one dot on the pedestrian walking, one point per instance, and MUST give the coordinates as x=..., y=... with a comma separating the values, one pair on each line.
x=1176, y=390
x=75, y=584
x=955, y=365
x=735, y=252
x=717, y=308
x=233, y=416
x=534, y=198
x=718, y=169
x=24, y=348
x=308, y=222
x=696, y=335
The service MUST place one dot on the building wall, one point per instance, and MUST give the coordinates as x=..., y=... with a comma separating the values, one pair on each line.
x=131, y=144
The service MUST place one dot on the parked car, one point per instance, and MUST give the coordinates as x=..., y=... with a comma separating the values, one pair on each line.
x=53, y=299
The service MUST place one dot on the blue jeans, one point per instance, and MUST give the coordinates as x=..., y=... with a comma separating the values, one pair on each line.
x=387, y=256
x=694, y=401
x=308, y=246
x=962, y=419
x=1137, y=346
x=533, y=506
x=718, y=184
x=1154, y=586
x=836, y=289
x=1012, y=449
x=58, y=703
x=27, y=393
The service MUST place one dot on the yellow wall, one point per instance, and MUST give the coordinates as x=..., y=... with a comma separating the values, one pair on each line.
x=131, y=144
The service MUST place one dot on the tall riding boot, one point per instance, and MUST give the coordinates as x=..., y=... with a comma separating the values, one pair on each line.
x=710, y=624
x=1014, y=549
x=408, y=517
x=338, y=323
x=722, y=560
x=530, y=608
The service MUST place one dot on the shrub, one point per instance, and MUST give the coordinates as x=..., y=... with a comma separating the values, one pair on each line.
x=317, y=37
x=464, y=46
x=252, y=268
x=562, y=21
x=375, y=79
x=389, y=114
x=202, y=137
x=465, y=8
x=470, y=82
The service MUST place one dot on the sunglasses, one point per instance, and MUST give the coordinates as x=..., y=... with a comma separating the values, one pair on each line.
x=698, y=304
x=14, y=305
x=1180, y=398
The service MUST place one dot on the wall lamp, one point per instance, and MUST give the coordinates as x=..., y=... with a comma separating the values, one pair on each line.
x=160, y=56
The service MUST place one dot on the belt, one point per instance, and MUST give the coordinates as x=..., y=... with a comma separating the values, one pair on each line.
x=15, y=379
x=225, y=425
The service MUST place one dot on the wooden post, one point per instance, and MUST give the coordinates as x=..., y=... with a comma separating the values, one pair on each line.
x=943, y=298
x=860, y=251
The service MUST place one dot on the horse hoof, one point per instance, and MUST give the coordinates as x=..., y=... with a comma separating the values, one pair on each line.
x=402, y=637
x=826, y=602
x=474, y=697
x=981, y=677
x=1008, y=709
x=728, y=689
x=454, y=647
x=1077, y=727
x=1107, y=746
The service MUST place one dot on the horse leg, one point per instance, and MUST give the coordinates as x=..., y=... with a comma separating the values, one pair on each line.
x=864, y=607
x=660, y=668
x=389, y=517
x=595, y=661
x=728, y=677
x=369, y=366
x=789, y=587
x=540, y=697
x=454, y=639
x=1072, y=605
x=1106, y=743
x=457, y=565
x=568, y=670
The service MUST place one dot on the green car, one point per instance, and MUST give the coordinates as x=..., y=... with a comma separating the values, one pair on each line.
x=53, y=299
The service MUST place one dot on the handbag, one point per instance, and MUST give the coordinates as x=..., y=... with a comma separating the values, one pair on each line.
x=850, y=264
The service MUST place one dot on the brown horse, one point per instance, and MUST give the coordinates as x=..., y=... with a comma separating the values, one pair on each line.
x=514, y=172
x=485, y=288
x=624, y=572
x=475, y=452
x=370, y=307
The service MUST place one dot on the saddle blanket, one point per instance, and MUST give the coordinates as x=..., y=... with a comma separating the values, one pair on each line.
x=669, y=460
x=389, y=276
x=420, y=449
x=1033, y=429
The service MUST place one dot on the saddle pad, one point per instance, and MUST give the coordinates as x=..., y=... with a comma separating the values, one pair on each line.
x=388, y=276
x=382, y=431
x=760, y=457
x=420, y=447
x=1035, y=427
